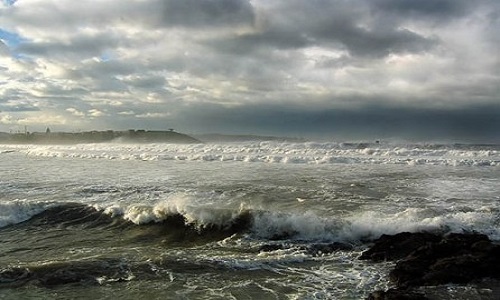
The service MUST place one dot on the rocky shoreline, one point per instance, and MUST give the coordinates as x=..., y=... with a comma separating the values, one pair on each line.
x=426, y=259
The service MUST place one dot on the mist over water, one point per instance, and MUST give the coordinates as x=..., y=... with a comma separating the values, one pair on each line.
x=267, y=219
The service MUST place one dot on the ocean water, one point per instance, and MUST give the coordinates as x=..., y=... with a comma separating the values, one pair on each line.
x=253, y=220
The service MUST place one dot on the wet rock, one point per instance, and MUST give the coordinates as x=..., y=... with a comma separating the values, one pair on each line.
x=63, y=273
x=427, y=260
x=13, y=274
x=456, y=258
x=393, y=247
x=271, y=247
x=61, y=277
x=324, y=249
x=285, y=235
x=12, y=277
x=396, y=294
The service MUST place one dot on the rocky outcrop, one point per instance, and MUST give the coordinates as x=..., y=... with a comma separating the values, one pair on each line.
x=426, y=259
x=396, y=294
x=394, y=247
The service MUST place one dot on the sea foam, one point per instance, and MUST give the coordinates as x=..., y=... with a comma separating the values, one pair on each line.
x=19, y=210
x=370, y=225
x=272, y=152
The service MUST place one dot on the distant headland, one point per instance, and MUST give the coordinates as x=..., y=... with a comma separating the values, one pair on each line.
x=132, y=136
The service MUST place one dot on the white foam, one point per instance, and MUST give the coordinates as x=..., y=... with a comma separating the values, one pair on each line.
x=194, y=213
x=271, y=152
x=371, y=225
x=266, y=224
x=304, y=226
x=308, y=226
x=19, y=210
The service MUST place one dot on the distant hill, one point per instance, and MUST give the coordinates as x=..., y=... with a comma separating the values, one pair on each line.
x=129, y=136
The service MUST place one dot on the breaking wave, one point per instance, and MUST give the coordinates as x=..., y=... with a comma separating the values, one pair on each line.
x=179, y=215
x=274, y=152
x=20, y=210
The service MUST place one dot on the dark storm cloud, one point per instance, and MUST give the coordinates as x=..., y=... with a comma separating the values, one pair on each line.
x=473, y=123
x=336, y=23
x=438, y=10
x=270, y=38
x=379, y=42
x=300, y=24
x=194, y=13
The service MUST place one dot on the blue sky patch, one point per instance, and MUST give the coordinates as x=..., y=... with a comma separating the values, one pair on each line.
x=9, y=2
x=10, y=38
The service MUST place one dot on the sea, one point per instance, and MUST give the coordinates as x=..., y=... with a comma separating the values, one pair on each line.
x=231, y=220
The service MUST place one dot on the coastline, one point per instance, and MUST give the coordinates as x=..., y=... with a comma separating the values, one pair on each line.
x=131, y=136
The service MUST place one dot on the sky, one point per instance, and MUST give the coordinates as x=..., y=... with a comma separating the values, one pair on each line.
x=421, y=70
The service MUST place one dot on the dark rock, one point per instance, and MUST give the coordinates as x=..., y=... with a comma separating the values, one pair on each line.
x=469, y=267
x=454, y=244
x=323, y=249
x=60, y=277
x=285, y=235
x=408, y=272
x=269, y=248
x=396, y=294
x=13, y=277
x=393, y=247
x=13, y=274
x=456, y=258
x=458, y=269
x=429, y=260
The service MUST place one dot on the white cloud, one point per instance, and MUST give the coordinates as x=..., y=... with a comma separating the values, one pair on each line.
x=75, y=112
x=153, y=115
x=7, y=119
x=95, y=113
x=126, y=113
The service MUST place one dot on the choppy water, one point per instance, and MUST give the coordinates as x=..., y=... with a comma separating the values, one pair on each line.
x=262, y=220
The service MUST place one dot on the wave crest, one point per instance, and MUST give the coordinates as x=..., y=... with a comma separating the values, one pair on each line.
x=183, y=215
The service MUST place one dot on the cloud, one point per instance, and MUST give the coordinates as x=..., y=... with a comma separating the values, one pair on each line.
x=203, y=65
x=42, y=119
x=473, y=123
x=16, y=105
x=6, y=119
x=4, y=50
x=86, y=44
x=30, y=119
x=334, y=24
x=435, y=10
x=193, y=13
x=153, y=115
x=75, y=112
x=95, y=113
